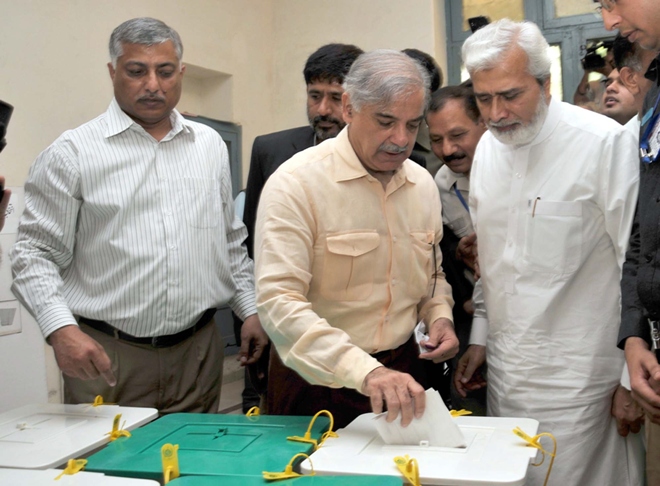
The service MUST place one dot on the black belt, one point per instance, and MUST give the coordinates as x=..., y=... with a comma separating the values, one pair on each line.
x=157, y=341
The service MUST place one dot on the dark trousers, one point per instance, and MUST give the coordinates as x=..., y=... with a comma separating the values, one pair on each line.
x=289, y=394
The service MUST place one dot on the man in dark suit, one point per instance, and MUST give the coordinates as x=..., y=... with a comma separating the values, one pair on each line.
x=324, y=75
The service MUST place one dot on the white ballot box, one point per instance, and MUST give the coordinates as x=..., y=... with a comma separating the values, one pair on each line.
x=494, y=455
x=34, y=477
x=48, y=435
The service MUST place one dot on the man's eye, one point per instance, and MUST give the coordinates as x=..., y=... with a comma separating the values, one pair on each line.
x=483, y=99
x=135, y=72
x=166, y=74
x=511, y=96
x=385, y=124
x=413, y=126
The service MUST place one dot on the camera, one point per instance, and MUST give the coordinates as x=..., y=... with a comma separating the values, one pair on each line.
x=595, y=57
x=477, y=23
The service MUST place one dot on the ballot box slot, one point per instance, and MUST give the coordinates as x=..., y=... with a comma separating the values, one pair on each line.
x=35, y=428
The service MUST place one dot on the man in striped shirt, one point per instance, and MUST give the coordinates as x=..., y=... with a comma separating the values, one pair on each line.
x=129, y=242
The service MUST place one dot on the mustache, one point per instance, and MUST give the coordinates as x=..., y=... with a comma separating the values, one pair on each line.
x=501, y=124
x=454, y=156
x=326, y=119
x=392, y=148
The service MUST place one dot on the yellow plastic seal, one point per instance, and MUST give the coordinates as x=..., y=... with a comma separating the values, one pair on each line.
x=98, y=401
x=73, y=466
x=308, y=435
x=253, y=412
x=170, y=458
x=117, y=431
x=288, y=472
x=459, y=413
x=409, y=468
x=535, y=442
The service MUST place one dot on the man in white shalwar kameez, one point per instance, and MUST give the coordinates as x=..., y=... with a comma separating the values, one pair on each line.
x=552, y=195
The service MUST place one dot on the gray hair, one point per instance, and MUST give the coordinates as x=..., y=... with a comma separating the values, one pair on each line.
x=378, y=77
x=145, y=31
x=484, y=49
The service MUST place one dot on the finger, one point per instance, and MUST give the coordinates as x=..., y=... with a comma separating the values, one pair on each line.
x=419, y=398
x=636, y=426
x=393, y=404
x=376, y=399
x=245, y=347
x=103, y=367
x=406, y=405
x=622, y=428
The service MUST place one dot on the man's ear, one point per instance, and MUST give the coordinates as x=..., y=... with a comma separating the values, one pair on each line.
x=346, y=108
x=112, y=71
x=628, y=78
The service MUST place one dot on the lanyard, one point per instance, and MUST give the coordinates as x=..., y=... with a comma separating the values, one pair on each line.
x=645, y=152
x=460, y=197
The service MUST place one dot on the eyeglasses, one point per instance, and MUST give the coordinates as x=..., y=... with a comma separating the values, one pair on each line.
x=608, y=5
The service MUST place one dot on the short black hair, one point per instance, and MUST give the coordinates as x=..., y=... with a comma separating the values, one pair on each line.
x=330, y=63
x=463, y=92
x=429, y=64
x=625, y=53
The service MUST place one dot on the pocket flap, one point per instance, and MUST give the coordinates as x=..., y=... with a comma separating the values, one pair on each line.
x=353, y=244
x=556, y=208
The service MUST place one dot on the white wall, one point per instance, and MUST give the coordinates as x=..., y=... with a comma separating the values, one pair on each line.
x=245, y=62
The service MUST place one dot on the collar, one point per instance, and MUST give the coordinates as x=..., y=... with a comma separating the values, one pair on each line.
x=461, y=180
x=349, y=167
x=652, y=71
x=118, y=121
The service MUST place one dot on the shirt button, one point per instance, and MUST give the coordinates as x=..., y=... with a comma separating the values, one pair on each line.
x=518, y=175
x=173, y=247
x=394, y=239
x=649, y=258
x=393, y=281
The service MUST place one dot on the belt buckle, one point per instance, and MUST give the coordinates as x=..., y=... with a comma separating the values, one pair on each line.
x=155, y=342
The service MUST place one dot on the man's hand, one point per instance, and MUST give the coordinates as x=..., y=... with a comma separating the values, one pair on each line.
x=644, y=376
x=4, y=203
x=80, y=356
x=442, y=343
x=467, y=252
x=628, y=414
x=399, y=391
x=253, y=340
x=467, y=376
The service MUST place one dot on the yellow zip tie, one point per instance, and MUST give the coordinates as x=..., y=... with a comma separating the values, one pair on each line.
x=288, y=470
x=308, y=435
x=459, y=413
x=170, y=459
x=534, y=442
x=98, y=401
x=116, y=431
x=73, y=466
x=409, y=468
x=253, y=412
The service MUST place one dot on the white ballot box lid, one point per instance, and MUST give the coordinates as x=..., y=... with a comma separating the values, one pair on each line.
x=34, y=477
x=47, y=435
x=494, y=454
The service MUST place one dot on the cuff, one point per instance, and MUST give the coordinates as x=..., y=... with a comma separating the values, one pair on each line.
x=625, y=377
x=479, y=333
x=244, y=304
x=354, y=367
x=53, y=318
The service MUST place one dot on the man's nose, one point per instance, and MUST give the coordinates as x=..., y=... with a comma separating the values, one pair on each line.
x=447, y=148
x=399, y=135
x=498, y=109
x=152, y=83
x=610, y=19
x=325, y=106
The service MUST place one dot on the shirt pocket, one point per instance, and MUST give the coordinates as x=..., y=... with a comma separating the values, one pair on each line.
x=554, y=236
x=421, y=266
x=348, y=268
x=201, y=202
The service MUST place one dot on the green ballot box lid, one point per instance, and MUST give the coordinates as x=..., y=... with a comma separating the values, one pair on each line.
x=209, y=445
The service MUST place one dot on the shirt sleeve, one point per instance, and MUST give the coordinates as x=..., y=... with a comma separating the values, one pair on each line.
x=307, y=343
x=242, y=267
x=479, y=331
x=46, y=239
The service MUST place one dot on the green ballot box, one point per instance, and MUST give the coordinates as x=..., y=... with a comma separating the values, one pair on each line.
x=210, y=445
x=300, y=481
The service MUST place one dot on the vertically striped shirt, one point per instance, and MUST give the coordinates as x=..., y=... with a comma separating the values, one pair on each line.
x=133, y=231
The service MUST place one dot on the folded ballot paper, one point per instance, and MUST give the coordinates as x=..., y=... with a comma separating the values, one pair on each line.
x=436, y=428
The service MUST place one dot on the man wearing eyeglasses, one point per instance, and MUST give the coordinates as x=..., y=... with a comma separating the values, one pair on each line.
x=639, y=21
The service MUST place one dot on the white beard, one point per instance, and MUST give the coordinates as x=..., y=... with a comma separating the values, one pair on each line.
x=522, y=134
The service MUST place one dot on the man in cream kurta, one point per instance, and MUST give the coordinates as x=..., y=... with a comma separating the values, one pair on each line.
x=552, y=196
x=346, y=262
